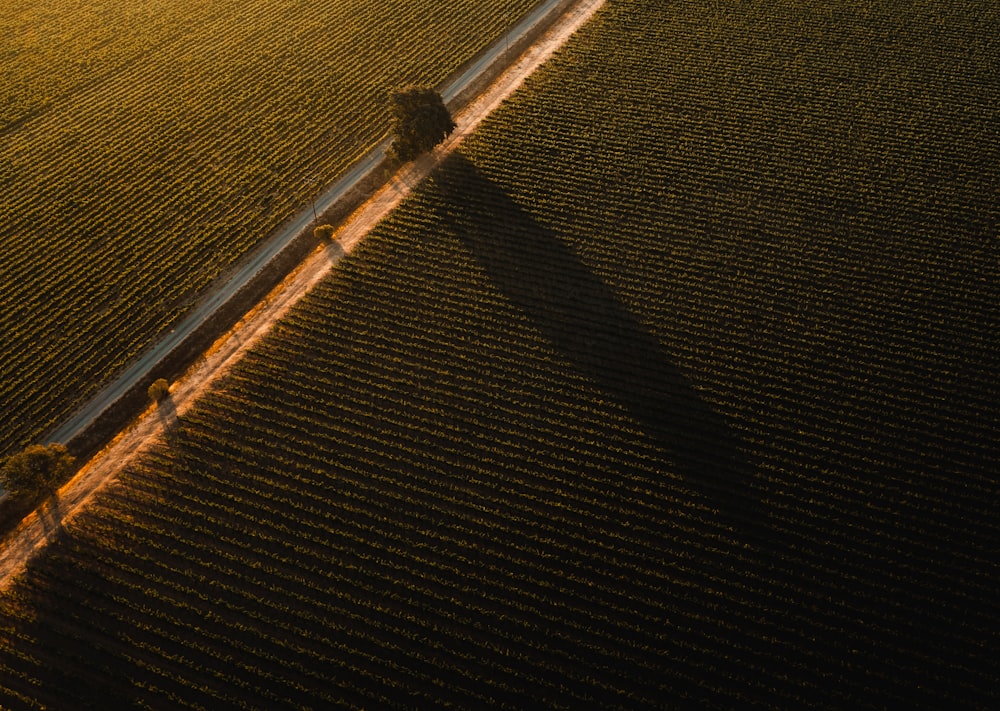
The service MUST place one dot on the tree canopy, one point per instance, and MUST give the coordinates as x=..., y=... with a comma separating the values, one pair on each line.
x=324, y=233
x=36, y=468
x=420, y=121
x=158, y=390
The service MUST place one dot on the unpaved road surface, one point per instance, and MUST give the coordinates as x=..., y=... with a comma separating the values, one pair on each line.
x=38, y=528
x=496, y=54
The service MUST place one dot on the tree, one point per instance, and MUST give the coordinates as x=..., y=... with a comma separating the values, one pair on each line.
x=324, y=233
x=158, y=390
x=38, y=468
x=420, y=121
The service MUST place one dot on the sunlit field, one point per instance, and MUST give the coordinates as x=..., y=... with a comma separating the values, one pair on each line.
x=674, y=388
x=145, y=146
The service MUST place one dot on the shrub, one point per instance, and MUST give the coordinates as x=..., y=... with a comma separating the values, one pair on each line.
x=324, y=232
x=158, y=390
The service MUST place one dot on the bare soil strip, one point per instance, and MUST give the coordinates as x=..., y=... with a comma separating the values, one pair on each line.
x=41, y=526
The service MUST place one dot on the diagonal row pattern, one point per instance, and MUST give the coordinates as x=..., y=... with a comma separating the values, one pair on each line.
x=676, y=387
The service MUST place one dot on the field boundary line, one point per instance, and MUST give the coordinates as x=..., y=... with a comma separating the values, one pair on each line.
x=44, y=524
x=249, y=279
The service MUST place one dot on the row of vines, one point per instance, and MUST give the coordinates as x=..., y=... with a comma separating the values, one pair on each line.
x=144, y=147
x=666, y=391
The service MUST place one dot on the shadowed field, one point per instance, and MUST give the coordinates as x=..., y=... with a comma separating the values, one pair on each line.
x=675, y=388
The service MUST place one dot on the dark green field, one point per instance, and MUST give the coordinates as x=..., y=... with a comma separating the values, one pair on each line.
x=676, y=387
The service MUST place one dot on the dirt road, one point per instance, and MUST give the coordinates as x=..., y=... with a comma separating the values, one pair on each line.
x=39, y=527
x=465, y=83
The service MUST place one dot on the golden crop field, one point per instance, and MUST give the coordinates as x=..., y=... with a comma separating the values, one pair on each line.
x=145, y=146
x=674, y=388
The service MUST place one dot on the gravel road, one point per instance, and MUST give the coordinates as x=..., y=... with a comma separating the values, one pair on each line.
x=39, y=527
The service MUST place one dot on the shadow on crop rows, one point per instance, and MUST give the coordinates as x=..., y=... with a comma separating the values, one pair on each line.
x=166, y=413
x=590, y=327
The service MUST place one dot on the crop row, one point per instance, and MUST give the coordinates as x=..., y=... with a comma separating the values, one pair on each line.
x=137, y=181
x=632, y=404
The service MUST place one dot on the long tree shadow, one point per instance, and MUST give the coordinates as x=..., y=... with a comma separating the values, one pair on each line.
x=584, y=319
x=166, y=412
x=50, y=513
